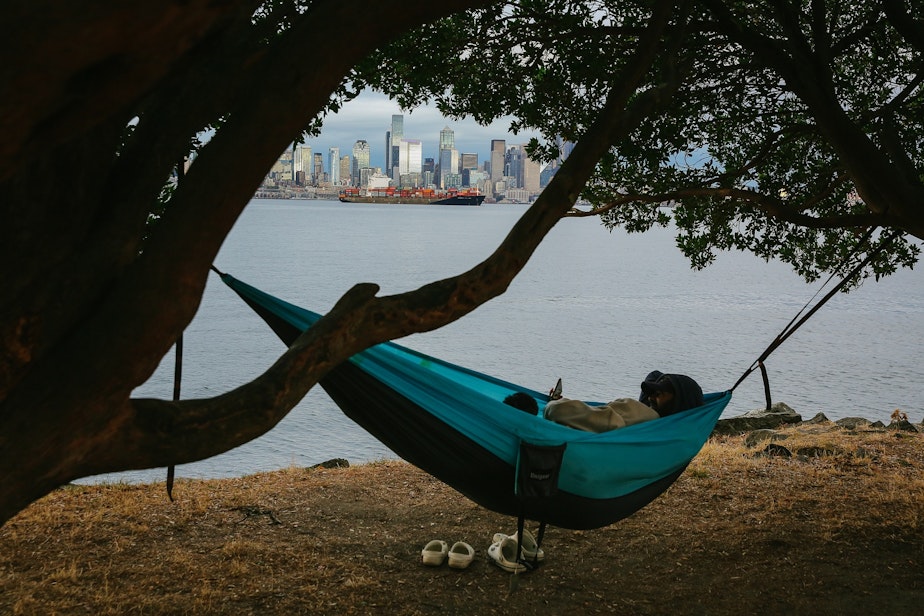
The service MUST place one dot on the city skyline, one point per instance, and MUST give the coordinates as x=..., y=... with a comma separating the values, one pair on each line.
x=369, y=118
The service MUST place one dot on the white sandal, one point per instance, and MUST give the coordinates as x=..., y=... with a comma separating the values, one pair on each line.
x=529, y=545
x=461, y=555
x=434, y=553
x=504, y=555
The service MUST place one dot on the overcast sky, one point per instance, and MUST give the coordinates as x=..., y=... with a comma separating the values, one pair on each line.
x=368, y=117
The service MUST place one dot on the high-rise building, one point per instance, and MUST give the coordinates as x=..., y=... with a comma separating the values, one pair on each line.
x=498, y=152
x=317, y=168
x=345, y=168
x=530, y=180
x=301, y=162
x=449, y=165
x=448, y=156
x=333, y=166
x=522, y=169
x=393, y=140
x=468, y=161
x=447, y=139
x=410, y=157
x=361, y=156
x=387, y=150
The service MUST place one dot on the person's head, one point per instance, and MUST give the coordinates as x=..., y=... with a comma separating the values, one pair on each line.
x=672, y=393
x=653, y=376
x=659, y=394
x=523, y=401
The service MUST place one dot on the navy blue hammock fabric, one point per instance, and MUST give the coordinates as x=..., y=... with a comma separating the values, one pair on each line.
x=452, y=423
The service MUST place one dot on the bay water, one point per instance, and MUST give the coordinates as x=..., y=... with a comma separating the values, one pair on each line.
x=599, y=309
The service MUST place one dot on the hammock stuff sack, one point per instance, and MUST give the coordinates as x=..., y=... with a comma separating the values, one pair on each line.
x=452, y=423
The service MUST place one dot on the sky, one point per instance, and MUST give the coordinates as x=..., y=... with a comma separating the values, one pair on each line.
x=368, y=117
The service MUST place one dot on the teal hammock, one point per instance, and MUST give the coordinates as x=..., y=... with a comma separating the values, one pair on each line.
x=451, y=422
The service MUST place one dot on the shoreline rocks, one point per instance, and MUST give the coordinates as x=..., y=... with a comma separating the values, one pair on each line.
x=762, y=424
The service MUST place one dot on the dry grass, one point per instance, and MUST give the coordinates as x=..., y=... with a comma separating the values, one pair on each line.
x=838, y=528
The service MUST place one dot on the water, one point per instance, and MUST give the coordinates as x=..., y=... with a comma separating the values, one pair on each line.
x=598, y=309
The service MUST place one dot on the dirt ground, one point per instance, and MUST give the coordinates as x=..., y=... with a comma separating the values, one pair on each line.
x=835, y=529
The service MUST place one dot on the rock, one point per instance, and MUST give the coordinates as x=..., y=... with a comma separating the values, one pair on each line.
x=852, y=423
x=757, y=437
x=903, y=425
x=334, y=463
x=774, y=450
x=778, y=415
x=820, y=418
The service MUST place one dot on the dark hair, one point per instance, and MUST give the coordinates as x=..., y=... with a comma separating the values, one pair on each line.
x=653, y=376
x=523, y=401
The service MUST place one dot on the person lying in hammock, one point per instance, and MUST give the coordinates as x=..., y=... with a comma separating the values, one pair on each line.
x=662, y=395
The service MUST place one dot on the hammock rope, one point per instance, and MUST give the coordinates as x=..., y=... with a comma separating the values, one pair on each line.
x=796, y=322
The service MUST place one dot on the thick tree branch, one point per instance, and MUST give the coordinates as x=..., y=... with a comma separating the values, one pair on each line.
x=772, y=207
x=900, y=18
x=205, y=427
x=881, y=185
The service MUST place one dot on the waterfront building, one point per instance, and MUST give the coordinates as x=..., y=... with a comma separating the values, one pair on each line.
x=410, y=158
x=452, y=180
x=393, y=146
x=345, y=167
x=411, y=180
x=283, y=169
x=317, y=168
x=448, y=156
x=377, y=180
x=474, y=178
x=468, y=161
x=301, y=164
x=498, y=154
x=333, y=166
x=361, y=155
x=524, y=169
x=447, y=139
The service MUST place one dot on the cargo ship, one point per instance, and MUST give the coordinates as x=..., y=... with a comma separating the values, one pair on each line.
x=416, y=196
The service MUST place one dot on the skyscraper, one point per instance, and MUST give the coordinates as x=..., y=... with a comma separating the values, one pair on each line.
x=449, y=156
x=361, y=155
x=301, y=162
x=317, y=168
x=468, y=161
x=411, y=156
x=345, y=169
x=333, y=162
x=497, y=159
x=447, y=139
x=393, y=153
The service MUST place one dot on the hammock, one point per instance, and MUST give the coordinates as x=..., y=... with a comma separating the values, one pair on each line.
x=452, y=423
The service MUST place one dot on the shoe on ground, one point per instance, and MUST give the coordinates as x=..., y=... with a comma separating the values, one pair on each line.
x=504, y=555
x=531, y=551
x=461, y=555
x=434, y=553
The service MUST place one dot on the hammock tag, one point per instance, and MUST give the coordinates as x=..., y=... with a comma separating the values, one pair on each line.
x=538, y=467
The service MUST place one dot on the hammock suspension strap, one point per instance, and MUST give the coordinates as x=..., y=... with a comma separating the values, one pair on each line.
x=797, y=322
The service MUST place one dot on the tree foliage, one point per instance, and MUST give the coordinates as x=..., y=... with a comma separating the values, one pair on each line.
x=779, y=127
x=788, y=127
